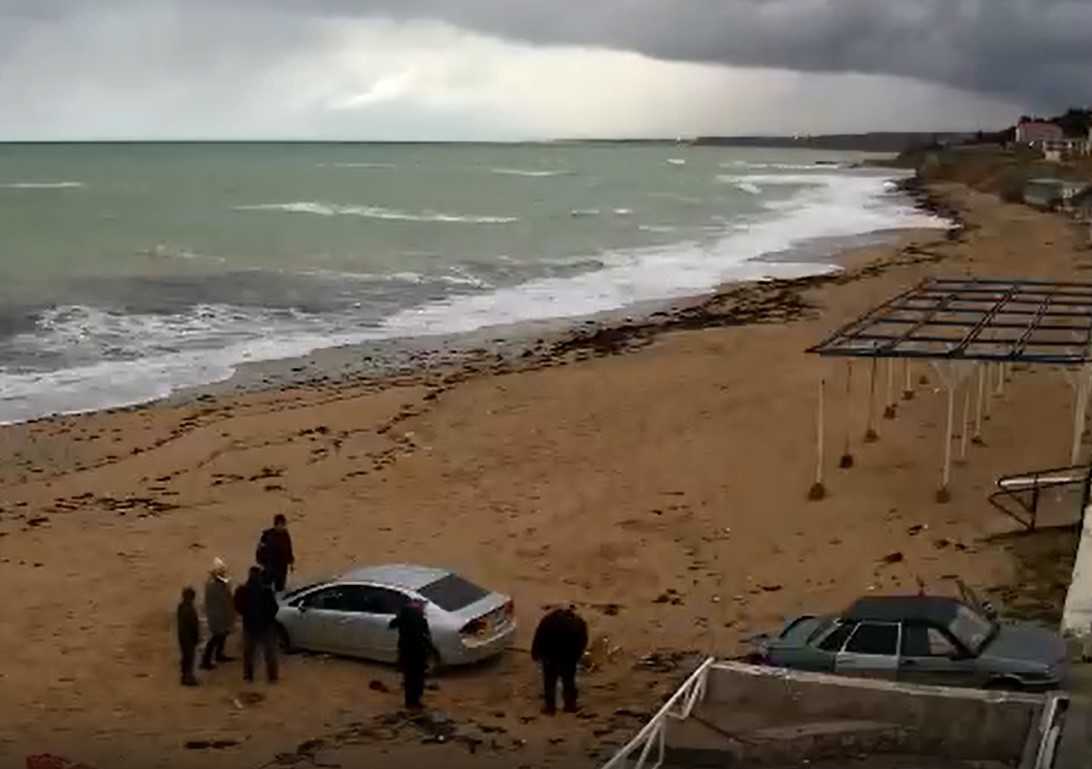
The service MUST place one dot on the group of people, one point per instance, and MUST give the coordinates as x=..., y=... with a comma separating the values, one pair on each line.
x=254, y=601
x=559, y=643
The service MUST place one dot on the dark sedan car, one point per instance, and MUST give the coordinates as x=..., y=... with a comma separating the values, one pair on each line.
x=922, y=639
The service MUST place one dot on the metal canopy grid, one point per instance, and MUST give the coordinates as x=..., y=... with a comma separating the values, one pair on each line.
x=974, y=319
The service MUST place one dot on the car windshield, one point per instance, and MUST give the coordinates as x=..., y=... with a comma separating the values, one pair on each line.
x=452, y=593
x=972, y=629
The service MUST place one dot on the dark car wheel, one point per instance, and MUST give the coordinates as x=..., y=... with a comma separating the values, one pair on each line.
x=1005, y=685
x=284, y=640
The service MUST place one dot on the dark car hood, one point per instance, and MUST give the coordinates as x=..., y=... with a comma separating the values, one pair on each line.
x=1025, y=643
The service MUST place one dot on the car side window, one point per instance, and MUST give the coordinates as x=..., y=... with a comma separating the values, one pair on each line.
x=925, y=641
x=874, y=638
x=380, y=600
x=837, y=637
x=331, y=599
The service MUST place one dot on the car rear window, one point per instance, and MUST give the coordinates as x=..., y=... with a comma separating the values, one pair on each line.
x=452, y=593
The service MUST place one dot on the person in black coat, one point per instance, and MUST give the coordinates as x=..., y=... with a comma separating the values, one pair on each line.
x=414, y=650
x=258, y=607
x=560, y=641
x=275, y=554
x=189, y=635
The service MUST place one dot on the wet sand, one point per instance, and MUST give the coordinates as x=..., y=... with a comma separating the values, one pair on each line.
x=654, y=472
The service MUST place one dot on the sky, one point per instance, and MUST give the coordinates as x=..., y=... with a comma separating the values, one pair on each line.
x=532, y=69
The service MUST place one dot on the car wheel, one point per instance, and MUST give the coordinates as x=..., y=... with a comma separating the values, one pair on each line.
x=1005, y=685
x=435, y=663
x=284, y=640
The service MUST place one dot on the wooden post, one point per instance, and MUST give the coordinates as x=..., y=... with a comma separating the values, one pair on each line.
x=1080, y=409
x=943, y=495
x=989, y=389
x=890, y=407
x=846, y=461
x=870, y=435
x=818, y=490
x=908, y=388
x=980, y=402
x=966, y=423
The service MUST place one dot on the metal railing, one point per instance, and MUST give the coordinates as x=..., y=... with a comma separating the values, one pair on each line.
x=653, y=735
x=1014, y=490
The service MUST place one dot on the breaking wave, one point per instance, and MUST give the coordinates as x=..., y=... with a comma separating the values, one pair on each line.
x=377, y=212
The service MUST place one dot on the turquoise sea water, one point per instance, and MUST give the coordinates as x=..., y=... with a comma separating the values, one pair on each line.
x=128, y=270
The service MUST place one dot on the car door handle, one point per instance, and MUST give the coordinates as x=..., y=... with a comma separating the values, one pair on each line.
x=910, y=663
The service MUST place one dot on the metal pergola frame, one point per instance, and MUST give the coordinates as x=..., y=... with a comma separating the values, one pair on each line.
x=961, y=325
x=1025, y=321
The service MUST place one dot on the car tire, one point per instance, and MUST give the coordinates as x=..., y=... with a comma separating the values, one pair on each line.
x=284, y=640
x=435, y=663
x=1005, y=685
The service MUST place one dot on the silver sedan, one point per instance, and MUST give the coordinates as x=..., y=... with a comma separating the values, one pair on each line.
x=350, y=615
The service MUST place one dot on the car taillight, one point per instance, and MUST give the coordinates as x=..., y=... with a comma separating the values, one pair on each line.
x=474, y=627
x=510, y=609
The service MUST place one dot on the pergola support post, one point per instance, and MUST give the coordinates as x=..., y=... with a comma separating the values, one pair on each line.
x=846, y=461
x=951, y=374
x=870, y=435
x=1080, y=382
x=891, y=408
x=818, y=490
x=980, y=401
x=908, y=388
x=965, y=424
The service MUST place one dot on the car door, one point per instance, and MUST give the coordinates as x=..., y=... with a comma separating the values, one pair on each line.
x=928, y=655
x=324, y=616
x=872, y=651
x=379, y=606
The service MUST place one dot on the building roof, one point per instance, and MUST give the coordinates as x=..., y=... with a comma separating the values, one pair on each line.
x=910, y=607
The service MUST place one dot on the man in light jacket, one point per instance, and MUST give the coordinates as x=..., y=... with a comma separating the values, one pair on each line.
x=219, y=613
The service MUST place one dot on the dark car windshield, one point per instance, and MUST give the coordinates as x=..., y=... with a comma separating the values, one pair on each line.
x=972, y=629
x=452, y=593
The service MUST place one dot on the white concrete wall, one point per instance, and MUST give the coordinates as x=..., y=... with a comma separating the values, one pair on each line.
x=1077, y=616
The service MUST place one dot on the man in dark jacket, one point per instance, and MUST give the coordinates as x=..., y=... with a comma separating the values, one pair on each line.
x=258, y=606
x=275, y=552
x=414, y=649
x=189, y=635
x=560, y=641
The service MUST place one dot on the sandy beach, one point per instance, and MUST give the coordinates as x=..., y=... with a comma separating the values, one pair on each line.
x=654, y=473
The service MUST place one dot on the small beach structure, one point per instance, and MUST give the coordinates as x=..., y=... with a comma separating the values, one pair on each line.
x=1049, y=193
x=971, y=331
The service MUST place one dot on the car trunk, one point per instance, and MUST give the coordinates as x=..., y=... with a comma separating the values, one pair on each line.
x=490, y=610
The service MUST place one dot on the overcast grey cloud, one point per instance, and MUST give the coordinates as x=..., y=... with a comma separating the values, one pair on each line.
x=1037, y=50
x=496, y=69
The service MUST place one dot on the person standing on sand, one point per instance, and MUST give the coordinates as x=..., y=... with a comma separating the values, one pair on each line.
x=189, y=635
x=258, y=606
x=275, y=552
x=414, y=649
x=560, y=641
x=219, y=613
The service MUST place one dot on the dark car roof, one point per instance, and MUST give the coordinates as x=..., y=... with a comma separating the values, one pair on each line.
x=910, y=607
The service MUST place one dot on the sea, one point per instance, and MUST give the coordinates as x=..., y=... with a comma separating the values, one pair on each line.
x=129, y=271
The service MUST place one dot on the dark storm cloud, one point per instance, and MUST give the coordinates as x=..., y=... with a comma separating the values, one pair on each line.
x=1036, y=50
